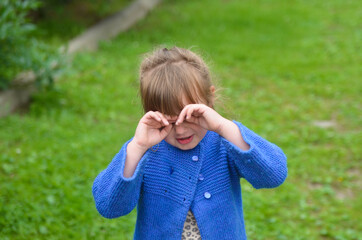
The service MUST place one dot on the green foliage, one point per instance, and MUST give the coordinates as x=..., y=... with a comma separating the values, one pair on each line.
x=283, y=66
x=61, y=20
x=18, y=50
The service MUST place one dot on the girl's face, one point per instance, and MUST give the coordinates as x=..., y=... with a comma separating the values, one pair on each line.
x=186, y=135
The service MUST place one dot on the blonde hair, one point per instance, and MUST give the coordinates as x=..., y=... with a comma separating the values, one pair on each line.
x=168, y=77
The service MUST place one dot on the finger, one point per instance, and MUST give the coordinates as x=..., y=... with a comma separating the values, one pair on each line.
x=163, y=118
x=199, y=110
x=154, y=116
x=193, y=119
x=190, y=111
x=181, y=116
x=165, y=131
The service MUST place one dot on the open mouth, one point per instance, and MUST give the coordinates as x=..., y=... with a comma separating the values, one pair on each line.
x=185, y=140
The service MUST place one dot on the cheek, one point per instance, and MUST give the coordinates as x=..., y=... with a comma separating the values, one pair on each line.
x=170, y=135
x=199, y=131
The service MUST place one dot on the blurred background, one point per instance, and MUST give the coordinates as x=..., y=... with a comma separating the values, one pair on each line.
x=288, y=70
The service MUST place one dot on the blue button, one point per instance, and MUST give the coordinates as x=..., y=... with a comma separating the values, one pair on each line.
x=207, y=195
x=195, y=158
x=201, y=177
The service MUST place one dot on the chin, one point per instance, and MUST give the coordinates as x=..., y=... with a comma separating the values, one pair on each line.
x=186, y=146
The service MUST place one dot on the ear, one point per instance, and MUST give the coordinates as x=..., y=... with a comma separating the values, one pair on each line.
x=212, y=90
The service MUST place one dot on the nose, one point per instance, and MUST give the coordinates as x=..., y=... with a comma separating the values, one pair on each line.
x=180, y=129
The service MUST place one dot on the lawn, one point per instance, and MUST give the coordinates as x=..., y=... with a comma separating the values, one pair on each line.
x=283, y=67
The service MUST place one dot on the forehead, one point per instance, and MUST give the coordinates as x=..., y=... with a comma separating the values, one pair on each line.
x=172, y=102
x=175, y=104
x=169, y=89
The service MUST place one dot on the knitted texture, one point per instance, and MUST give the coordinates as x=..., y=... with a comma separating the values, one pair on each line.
x=168, y=182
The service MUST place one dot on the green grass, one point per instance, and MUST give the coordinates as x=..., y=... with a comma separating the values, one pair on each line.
x=282, y=65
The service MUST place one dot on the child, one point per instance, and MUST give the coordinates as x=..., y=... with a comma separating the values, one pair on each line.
x=183, y=166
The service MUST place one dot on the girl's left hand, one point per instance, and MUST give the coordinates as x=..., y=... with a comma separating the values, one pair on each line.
x=203, y=116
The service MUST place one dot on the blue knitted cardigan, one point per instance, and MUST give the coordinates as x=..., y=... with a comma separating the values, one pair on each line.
x=168, y=182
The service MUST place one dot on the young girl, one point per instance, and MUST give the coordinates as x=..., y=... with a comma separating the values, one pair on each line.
x=183, y=166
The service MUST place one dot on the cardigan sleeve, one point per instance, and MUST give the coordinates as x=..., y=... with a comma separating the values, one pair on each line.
x=114, y=194
x=264, y=165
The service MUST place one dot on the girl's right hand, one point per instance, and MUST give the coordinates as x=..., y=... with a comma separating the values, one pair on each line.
x=152, y=129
